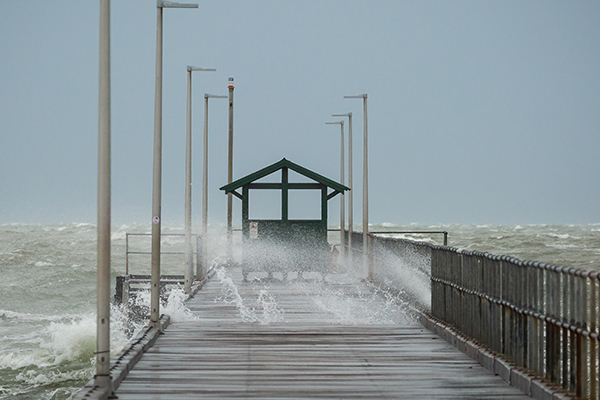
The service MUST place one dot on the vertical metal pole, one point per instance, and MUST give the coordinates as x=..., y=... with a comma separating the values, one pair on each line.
x=350, y=204
x=230, y=176
x=189, y=264
x=342, y=199
x=365, y=191
x=157, y=172
x=204, y=268
x=126, y=253
x=103, y=378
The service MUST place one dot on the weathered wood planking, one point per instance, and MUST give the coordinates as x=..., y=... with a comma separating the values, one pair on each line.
x=309, y=354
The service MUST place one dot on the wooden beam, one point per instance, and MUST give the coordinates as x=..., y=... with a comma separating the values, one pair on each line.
x=333, y=194
x=284, y=194
x=236, y=194
x=278, y=186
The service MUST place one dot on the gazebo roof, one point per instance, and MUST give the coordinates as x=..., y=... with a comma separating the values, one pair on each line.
x=284, y=163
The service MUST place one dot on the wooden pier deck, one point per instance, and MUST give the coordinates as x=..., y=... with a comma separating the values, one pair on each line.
x=304, y=340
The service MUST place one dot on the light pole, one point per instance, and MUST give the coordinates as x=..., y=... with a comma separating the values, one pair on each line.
x=230, y=86
x=350, y=201
x=189, y=253
x=103, y=377
x=342, y=200
x=365, y=183
x=157, y=164
x=201, y=271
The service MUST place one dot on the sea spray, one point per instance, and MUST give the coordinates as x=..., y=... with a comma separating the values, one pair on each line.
x=265, y=311
x=352, y=303
x=268, y=306
x=49, y=276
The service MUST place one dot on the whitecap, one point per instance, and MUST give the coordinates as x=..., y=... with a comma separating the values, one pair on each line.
x=43, y=264
x=84, y=224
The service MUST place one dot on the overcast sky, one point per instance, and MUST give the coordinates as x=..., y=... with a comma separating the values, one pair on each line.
x=479, y=111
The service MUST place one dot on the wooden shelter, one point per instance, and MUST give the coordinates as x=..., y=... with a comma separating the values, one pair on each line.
x=303, y=242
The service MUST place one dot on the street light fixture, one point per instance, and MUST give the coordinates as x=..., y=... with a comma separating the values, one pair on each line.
x=350, y=195
x=342, y=200
x=189, y=253
x=365, y=183
x=157, y=163
x=201, y=271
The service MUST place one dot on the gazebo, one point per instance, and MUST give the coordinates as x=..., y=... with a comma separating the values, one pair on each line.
x=285, y=244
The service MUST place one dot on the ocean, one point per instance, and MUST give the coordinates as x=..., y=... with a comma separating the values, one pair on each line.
x=48, y=297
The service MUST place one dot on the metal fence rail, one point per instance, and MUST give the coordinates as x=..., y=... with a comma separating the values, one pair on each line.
x=197, y=251
x=542, y=317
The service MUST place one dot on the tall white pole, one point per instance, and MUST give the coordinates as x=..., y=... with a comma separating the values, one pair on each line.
x=204, y=268
x=342, y=203
x=342, y=200
x=350, y=205
x=230, y=86
x=157, y=165
x=157, y=176
x=366, y=192
x=189, y=252
x=365, y=185
x=349, y=253
x=103, y=378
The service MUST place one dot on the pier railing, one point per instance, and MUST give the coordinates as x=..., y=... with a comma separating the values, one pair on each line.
x=541, y=317
x=128, y=252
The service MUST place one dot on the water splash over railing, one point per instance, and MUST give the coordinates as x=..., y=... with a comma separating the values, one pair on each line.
x=544, y=318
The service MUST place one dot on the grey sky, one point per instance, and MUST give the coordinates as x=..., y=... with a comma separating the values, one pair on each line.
x=479, y=111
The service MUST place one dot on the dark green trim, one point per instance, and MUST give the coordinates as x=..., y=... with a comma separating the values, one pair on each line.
x=239, y=196
x=291, y=186
x=276, y=167
x=245, y=212
x=324, y=207
x=333, y=194
x=284, y=194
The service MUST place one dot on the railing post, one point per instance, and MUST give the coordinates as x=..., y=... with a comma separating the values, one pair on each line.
x=593, y=327
x=126, y=253
x=581, y=345
x=369, y=257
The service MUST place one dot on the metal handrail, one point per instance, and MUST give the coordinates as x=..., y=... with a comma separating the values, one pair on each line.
x=541, y=317
x=445, y=233
x=127, y=252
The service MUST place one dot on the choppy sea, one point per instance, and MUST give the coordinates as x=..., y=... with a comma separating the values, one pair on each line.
x=48, y=296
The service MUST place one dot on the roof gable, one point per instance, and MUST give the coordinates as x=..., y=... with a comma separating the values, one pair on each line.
x=278, y=166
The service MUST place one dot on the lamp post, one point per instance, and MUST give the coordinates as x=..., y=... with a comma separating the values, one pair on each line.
x=103, y=377
x=201, y=271
x=230, y=86
x=157, y=164
x=350, y=201
x=342, y=200
x=365, y=183
x=189, y=253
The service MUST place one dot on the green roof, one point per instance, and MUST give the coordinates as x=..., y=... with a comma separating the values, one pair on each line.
x=276, y=167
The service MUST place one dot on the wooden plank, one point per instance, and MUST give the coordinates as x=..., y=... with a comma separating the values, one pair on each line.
x=314, y=351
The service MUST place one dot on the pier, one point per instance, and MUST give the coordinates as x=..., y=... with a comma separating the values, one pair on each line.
x=382, y=317
x=337, y=335
x=308, y=352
